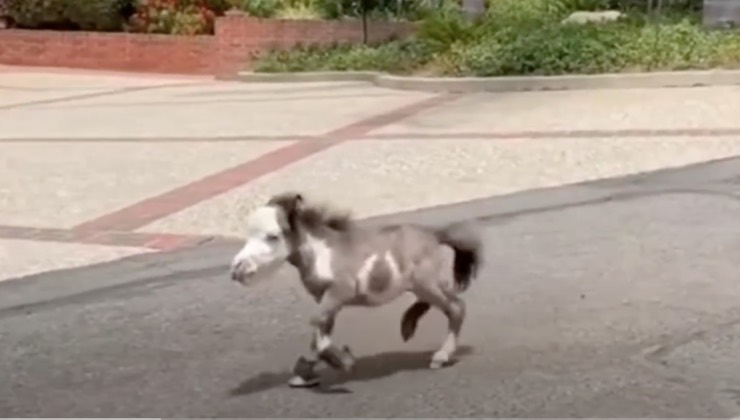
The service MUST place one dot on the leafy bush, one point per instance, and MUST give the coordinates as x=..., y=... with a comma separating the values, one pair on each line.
x=280, y=9
x=337, y=9
x=299, y=10
x=596, y=48
x=392, y=57
x=5, y=20
x=98, y=15
x=158, y=16
x=258, y=8
x=524, y=15
x=377, y=9
x=177, y=17
x=668, y=5
x=679, y=46
x=218, y=7
x=442, y=30
x=555, y=49
x=521, y=37
x=587, y=5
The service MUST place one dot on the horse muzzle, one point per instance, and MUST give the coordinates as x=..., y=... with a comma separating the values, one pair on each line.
x=241, y=271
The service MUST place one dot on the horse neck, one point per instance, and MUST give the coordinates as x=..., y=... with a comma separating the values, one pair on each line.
x=311, y=250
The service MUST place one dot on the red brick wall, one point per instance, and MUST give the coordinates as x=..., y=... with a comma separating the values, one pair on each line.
x=236, y=39
x=239, y=36
x=108, y=51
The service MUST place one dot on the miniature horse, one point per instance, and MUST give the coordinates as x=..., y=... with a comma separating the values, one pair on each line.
x=342, y=264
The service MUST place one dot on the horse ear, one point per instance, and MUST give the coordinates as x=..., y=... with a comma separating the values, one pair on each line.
x=291, y=203
x=298, y=201
x=294, y=207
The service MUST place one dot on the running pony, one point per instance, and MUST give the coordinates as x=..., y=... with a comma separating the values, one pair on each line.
x=343, y=264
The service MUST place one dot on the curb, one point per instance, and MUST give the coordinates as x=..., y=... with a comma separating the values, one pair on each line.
x=509, y=83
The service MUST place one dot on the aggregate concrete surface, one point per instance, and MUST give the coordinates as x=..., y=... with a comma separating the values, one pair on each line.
x=611, y=298
x=385, y=177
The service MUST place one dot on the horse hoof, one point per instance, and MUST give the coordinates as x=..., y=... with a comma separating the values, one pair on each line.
x=301, y=382
x=442, y=363
x=348, y=360
x=439, y=361
x=341, y=359
x=304, y=367
x=437, y=364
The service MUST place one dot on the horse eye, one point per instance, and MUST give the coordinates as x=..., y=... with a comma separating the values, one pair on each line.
x=272, y=238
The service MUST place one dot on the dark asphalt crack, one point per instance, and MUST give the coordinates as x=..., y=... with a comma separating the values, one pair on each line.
x=655, y=354
x=616, y=197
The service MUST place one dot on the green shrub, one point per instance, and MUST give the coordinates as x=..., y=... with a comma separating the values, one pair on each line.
x=524, y=14
x=676, y=47
x=96, y=15
x=258, y=8
x=5, y=20
x=443, y=29
x=300, y=12
x=392, y=57
x=554, y=49
x=526, y=37
x=668, y=5
x=377, y=9
x=586, y=5
x=174, y=17
x=219, y=7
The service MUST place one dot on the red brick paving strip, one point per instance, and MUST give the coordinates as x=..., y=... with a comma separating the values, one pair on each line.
x=155, y=208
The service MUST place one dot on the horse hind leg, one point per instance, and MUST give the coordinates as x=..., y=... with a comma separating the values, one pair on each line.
x=454, y=309
x=411, y=318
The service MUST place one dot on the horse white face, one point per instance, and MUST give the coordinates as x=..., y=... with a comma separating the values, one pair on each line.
x=266, y=248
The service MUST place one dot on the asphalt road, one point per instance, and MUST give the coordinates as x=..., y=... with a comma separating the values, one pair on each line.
x=617, y=298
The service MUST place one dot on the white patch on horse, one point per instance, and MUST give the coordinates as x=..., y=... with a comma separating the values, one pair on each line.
x=264, y=219
x=393, y=265
x=378, y=279
x=323, y=256
x=363, y=274
x=323, y=342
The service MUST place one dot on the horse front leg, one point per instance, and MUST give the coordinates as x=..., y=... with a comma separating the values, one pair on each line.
x=322, y=348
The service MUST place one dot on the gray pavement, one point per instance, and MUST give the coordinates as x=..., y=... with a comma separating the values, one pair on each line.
x=612, y=298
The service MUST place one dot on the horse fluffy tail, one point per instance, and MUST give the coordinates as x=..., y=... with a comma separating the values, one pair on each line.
x=468, y=249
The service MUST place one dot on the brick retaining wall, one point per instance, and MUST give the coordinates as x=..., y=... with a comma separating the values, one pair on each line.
x=237, y=37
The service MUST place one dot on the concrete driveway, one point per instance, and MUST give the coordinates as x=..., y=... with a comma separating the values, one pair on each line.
x=610, y=298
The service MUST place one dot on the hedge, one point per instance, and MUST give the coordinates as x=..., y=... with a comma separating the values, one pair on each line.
x=164, y=16
x=527, y=37
x=96, y=15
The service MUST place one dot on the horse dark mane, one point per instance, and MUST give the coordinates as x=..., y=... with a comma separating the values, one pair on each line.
x=316, y=216
x=311, y=215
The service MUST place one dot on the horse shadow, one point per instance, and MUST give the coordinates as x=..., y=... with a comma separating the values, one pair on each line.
x=367, y=368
